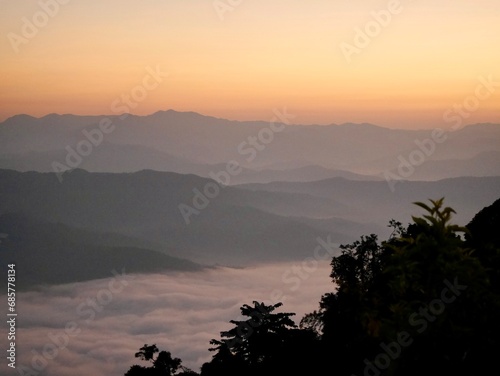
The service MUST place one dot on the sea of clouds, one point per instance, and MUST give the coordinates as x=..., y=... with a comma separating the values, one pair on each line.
x=95, y=328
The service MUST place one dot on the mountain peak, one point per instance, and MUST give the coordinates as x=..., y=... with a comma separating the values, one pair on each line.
x=360, y=125
x=19, y=118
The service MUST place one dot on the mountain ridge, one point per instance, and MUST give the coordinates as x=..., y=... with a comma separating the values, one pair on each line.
x=241, y=225
x=188, y=142
x=51, y=116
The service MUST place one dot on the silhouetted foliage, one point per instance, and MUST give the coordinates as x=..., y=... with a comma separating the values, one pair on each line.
x=262, y=344
x=446, y=324
x=484, y=237
x=162, y=365
x=484, y=229
x=425, y=301
x=424, y=285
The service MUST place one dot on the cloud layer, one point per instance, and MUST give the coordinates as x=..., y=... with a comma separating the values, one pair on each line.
x=96, y=327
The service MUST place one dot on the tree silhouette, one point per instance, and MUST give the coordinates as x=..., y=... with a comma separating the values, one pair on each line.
x=424, y=301
x=147, y=353
x=344, y=315
x=406, y=286
x=162, y=365
x=262, y=344
x=484, y=236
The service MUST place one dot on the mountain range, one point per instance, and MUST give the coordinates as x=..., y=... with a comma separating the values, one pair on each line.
x=187, y=142
x=183, y=191
x=139, y=213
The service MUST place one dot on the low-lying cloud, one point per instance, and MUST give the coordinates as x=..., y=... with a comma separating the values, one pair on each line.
x=180, y=312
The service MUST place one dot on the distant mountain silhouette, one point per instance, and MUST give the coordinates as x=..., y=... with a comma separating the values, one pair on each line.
x=144, y=205
x=483, y=164
x=242, y=225
x=49, y=253
x=188, y=142
x=374, y=200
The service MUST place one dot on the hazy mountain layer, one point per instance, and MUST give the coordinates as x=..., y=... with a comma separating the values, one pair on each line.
x=238, y=226
x=192, y=143
x=48, y=253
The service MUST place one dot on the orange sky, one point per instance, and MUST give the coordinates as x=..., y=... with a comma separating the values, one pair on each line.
x=241, y=61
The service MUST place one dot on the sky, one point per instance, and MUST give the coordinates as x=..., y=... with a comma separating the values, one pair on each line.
x=397, y=63
x=179, y=312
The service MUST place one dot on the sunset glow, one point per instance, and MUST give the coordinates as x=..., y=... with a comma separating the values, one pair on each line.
x=240, y=61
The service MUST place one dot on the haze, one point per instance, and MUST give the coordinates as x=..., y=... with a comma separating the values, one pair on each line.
x=178, y=311
x=220, y=153
x=239, y=62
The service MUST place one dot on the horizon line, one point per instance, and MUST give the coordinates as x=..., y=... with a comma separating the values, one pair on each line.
x=126, y=114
